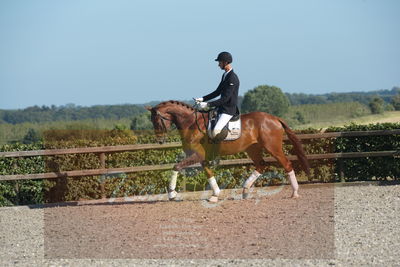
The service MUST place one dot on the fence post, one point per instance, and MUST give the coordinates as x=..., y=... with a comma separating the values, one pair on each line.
x=341, y=170
x=16, y=188
x=184, y=183
x=102, y=158
x=16, y=185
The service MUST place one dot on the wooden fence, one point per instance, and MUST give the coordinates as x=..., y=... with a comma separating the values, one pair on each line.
x=102, y=151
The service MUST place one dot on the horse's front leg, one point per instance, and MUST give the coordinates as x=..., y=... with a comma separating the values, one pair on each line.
x=192, y=158
x=212, y=182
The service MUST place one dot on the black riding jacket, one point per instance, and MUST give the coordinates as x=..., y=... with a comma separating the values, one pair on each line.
x=229, y=90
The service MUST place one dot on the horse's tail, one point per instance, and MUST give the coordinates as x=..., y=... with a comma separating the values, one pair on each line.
x=298, y=148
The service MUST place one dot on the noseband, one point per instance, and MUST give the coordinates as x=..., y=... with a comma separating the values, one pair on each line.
x=162, y=121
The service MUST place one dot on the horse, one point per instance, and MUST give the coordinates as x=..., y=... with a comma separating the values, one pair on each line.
x=260, y=131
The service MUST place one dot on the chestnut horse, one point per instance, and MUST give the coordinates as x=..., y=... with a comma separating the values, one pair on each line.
x=259, y=131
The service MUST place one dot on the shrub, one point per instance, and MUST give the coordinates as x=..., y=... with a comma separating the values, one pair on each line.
x=152, y=182
x=377, y=105
x=266, y=98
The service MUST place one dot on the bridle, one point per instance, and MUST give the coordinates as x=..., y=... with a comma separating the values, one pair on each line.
x=196, y=110
x=163, y=119
x=197, y=121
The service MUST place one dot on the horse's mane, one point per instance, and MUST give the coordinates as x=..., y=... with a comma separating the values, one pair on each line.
x=174, y=102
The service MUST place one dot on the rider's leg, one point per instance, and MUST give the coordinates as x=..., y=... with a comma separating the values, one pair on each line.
x=223, y=120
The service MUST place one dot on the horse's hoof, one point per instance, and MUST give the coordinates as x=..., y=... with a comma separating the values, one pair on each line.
x=213, y=199
x=172, y=195
x=245, y=193
x=295, y=195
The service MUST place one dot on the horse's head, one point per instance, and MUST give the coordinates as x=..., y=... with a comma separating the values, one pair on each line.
x=161, y=122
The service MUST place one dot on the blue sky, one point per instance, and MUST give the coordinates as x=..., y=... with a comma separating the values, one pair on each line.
x=134, y=51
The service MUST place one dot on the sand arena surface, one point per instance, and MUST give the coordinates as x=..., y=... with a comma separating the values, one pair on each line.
x=328, y=225
x=277, y=226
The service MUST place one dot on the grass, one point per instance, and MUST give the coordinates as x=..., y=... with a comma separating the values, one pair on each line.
x=388, y=116
x=337, y=114
x=16, y=132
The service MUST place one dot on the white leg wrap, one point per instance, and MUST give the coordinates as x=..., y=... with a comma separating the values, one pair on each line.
x=293, y=181
x=214, y=186
x=172, y=182
x=250, y=181
x=172, y=194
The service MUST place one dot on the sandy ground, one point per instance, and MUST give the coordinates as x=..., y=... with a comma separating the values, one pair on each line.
x=328, y=225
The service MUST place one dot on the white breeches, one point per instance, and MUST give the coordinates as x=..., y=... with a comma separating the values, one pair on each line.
x=223, y=120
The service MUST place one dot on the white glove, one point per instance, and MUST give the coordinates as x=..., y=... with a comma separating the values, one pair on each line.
x=203, y=105
x=200, y=99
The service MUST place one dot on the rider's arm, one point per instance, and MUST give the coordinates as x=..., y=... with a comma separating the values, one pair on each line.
x=214, y=94
x=228, y=90
x=225, y=96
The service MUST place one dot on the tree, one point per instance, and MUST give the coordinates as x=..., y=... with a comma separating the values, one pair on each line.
x=396, y=102
x=377, y=105
x=120, y=127
x=395, y=90
x=299, y=117
x=389, y=107
x=266, y=98
x=142, y=122
x=31, y=137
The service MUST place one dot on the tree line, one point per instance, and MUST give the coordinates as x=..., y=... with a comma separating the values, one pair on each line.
x=26, y=125
x=361, y=97
x=69, y=112
x=303, y=108
x=263, y=98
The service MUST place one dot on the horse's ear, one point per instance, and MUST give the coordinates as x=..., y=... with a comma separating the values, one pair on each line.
x=149, y=108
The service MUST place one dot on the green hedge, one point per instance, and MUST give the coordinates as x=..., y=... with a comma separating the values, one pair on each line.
x=370, y=168
x=153, y=182
x=21, y=192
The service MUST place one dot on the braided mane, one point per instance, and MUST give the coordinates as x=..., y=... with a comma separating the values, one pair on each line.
x=174, y=102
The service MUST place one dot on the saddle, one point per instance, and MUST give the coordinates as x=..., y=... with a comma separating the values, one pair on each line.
x=230, y=132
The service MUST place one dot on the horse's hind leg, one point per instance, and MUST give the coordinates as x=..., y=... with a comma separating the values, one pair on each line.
x=275, y=147
x=255, y=152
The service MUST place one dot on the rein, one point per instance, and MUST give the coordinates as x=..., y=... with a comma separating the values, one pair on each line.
x=196, y=119
x=162, y=121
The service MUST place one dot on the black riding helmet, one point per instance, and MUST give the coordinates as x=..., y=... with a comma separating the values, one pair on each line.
x=224, y=56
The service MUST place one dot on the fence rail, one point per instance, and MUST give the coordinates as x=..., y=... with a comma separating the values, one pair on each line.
x=102, y=151
x=125, y=148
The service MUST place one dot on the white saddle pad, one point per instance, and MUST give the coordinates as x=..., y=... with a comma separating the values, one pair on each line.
x=234, y=130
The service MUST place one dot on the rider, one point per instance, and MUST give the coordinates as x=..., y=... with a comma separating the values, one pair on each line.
x=228, y=89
